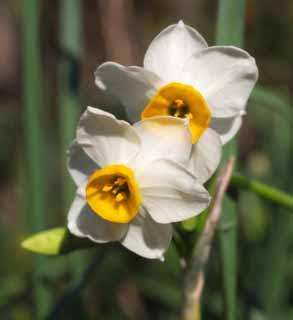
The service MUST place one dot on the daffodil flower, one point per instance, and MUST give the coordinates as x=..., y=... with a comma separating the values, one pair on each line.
x=183, y=77
x=131, y=181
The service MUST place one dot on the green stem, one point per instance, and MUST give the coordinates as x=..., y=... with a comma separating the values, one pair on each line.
x=269, y=193
x=35, y=146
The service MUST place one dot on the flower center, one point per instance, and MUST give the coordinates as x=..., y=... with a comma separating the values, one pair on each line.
x=113, y=194
x=182, y=101
x=180, y=109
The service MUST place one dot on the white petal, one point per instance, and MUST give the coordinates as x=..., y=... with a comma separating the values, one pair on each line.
x=227, y=128
x=80, y=165
x=170, y=49
x=163, y=137
x=225, y=76
x=105, y=139
x=205, y=155
x=132, y=86
x=83, y=222
x=170, y=193
x=147, y=238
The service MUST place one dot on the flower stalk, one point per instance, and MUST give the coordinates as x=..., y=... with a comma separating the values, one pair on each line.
x=194, y=273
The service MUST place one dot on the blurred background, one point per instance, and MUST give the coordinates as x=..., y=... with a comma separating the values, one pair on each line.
x=39, y=108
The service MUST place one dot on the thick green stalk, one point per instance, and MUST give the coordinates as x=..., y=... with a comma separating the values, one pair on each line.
x=35, y=146
x=230, y=31
x=71, y=44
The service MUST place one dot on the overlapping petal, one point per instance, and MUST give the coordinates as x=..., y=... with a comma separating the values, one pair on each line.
x=225, y=75
x=226, y=127
x=132, y=86
x=147, y=238
x=205, y=155
x=171, y=193
x=80, y=165
x=163, y=137
x=105, y=139
x=170, y=49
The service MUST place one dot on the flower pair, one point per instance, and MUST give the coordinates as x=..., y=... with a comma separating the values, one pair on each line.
x=134, y=181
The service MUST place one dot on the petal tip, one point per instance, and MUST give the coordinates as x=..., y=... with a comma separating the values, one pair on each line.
x=181, y=24
x=161, y=258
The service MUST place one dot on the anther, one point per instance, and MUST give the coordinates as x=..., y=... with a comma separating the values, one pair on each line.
x=188, y=115
x=178, y=103
x=115, y=190
x=120, y=181
x=121, y=196
x=107, y=187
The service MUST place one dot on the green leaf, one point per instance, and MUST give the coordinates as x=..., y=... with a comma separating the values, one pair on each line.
x=55, y=242
x=269, y=193
x=72, y=44
x=230, y=31
x=36, y=166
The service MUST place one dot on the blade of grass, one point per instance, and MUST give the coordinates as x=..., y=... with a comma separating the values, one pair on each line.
x=230, y=31
x=278, y=145
x=71, y=47
x=70, y=42
x=274, y=290
x=35, y=146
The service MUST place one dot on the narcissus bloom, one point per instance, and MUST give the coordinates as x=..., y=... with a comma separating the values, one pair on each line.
x=131, y=181
x=185, y=78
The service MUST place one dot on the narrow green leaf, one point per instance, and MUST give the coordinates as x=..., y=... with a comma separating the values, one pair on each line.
x=279, y=147
x=55, y=242
x=272, y=194
x=71, y=42
x=33, y=124
x=230, y=31
x=230, y=28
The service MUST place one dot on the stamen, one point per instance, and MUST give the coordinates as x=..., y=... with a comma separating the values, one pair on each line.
x=179, y=103
x=118, y=188
x=188, y=115
x=120, y=181
x=121, y=196
x=112, y=193
x=107, y=187
x=177, y=113
x=179, y=109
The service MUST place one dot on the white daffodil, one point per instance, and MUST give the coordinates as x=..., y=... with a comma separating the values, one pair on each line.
x=185, y=78
x=131, y=183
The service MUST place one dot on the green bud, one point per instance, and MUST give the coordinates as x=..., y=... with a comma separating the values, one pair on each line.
x=55, y=242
